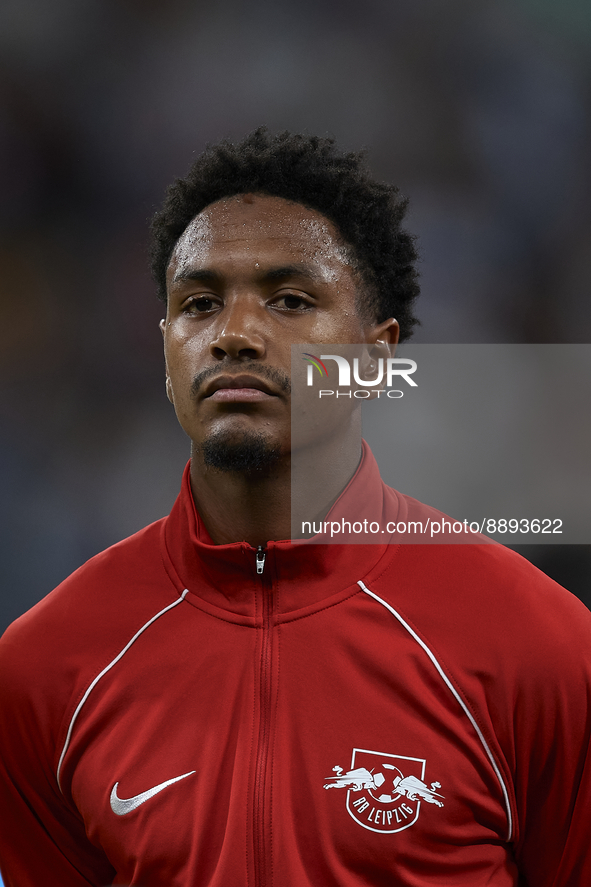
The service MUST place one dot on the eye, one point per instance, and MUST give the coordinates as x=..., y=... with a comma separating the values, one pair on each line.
x=199, y=305
x=293, y=302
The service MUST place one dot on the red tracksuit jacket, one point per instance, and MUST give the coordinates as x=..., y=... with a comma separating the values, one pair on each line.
x=353, y=715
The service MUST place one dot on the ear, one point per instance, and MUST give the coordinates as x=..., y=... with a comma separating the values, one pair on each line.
x=169, y=393
x=384, y=336
x=382, y=341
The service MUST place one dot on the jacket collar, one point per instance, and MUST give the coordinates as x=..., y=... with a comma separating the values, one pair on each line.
x=300, y=574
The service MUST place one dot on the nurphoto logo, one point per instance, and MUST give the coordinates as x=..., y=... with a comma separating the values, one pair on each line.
x=399, y=367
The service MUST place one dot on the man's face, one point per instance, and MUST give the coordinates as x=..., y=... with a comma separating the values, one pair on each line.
x=249, y=277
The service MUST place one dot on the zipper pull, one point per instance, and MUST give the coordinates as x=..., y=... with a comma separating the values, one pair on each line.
x=260, y=560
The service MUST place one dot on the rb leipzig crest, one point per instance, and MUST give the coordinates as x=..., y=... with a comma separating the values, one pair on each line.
x=384, y=791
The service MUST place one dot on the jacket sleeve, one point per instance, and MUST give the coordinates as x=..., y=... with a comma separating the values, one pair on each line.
x=42, y=838
x=552, y=732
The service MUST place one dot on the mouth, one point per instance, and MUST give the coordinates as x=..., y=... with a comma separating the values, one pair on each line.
x=238, y=389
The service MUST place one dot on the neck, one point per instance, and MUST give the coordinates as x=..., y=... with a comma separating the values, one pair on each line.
x=257, y=507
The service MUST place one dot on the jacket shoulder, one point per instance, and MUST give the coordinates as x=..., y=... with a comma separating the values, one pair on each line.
x=479, y=604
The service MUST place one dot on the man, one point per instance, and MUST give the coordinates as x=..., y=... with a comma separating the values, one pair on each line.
x=206, y=704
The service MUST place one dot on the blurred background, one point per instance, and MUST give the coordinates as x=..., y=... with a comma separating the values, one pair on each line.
x=479, y=110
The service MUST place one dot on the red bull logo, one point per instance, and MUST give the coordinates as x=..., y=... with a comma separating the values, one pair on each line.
x=384, y=791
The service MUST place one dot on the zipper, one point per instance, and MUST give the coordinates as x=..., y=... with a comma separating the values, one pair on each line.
x=261, y=556
x=261, y=827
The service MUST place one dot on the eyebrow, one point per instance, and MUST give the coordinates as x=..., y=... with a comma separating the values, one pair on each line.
x=295, y=270
x=206, y=275
x=200, y=274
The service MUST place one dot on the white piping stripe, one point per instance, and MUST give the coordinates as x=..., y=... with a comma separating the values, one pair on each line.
x=103, y=672
x=457, y=696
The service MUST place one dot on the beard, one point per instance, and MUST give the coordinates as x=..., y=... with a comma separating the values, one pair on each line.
x=250, y=453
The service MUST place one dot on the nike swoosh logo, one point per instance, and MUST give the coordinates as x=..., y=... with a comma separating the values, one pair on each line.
x=121, y=806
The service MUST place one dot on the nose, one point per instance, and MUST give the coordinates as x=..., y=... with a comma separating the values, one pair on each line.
x=239, y=332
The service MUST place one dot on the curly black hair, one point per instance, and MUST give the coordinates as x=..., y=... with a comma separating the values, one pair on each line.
x=313, y=172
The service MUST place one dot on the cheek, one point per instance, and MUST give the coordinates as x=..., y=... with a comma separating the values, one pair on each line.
x=180, y=373
x=184, y=352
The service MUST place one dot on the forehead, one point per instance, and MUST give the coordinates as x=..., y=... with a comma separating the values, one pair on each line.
x=259, y=226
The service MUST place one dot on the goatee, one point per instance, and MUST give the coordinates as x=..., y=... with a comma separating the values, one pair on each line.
x=249, y=453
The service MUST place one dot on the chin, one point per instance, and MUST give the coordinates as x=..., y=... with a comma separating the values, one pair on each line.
x=249, y=452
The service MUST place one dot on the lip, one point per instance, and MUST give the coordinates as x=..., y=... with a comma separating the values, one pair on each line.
x=242, y=388
x=240, y=395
